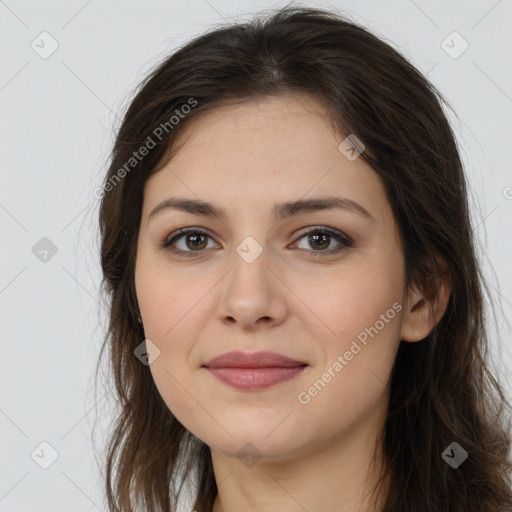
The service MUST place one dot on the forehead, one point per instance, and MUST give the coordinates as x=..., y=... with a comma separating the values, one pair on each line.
x=273, y=130
x=269, y=150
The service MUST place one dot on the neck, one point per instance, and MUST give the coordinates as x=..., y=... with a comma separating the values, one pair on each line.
x=339, y=475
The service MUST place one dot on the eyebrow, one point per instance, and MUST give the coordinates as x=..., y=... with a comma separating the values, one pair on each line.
x=280, y=211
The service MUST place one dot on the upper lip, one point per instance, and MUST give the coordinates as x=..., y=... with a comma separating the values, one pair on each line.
x=252, y=360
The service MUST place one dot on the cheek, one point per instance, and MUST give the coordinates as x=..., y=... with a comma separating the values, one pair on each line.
x=166, y=305
x=350, y=301
x=172, y=308
x=169, y=299
x=352, y=381
x=363, y=312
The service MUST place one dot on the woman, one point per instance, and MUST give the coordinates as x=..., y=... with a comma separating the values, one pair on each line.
x=296, y=307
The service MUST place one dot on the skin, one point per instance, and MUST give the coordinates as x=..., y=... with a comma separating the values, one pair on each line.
x=291, y=299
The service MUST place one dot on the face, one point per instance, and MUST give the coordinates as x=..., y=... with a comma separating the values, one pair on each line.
x=321, y=286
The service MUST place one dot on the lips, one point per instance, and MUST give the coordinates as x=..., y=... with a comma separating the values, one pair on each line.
x=254, y=371
x=255, y=360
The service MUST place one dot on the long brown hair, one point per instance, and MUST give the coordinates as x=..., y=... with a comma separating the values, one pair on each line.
x=442, y=388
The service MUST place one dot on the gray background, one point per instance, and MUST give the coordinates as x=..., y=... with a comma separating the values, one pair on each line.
x=58, y=118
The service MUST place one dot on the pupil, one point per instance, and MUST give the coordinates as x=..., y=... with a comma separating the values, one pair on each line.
x=196, y=243
x=316, y=237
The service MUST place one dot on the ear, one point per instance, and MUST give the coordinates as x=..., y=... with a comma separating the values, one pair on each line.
x=425, y=305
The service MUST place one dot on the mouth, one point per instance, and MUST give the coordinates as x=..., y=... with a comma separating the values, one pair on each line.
x=254, y=371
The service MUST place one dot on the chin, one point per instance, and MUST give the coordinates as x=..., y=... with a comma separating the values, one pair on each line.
x=262, y=440
x=250, y=448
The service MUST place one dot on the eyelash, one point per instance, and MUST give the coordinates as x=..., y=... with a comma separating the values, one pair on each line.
x=345, y=241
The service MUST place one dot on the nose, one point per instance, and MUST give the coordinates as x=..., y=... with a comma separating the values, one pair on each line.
x=252, y=292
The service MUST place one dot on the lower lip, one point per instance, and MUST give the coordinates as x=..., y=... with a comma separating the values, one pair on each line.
x=255, y=378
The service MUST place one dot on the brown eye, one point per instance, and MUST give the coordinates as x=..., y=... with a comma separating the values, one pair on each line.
x=193, y=241
x=320, y=241
x=197, y=240
x=321, y=238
